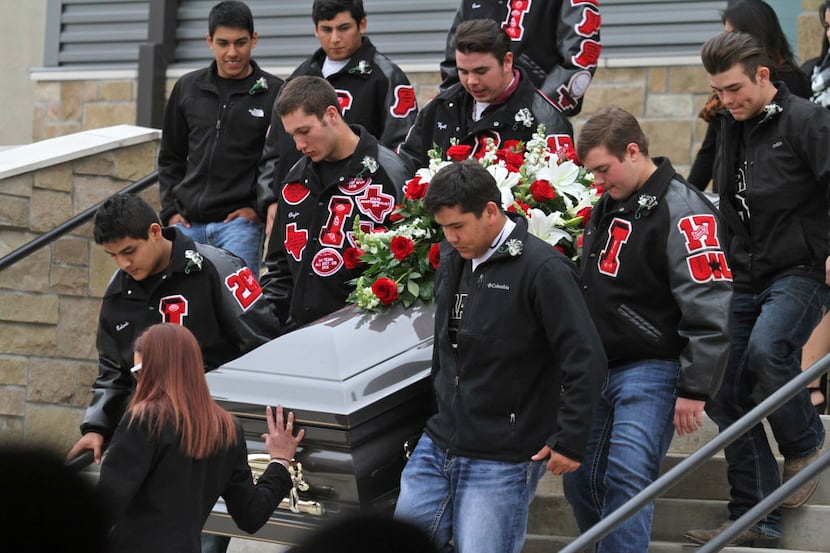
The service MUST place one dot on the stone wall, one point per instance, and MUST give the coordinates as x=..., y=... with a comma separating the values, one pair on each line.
x=49, y=301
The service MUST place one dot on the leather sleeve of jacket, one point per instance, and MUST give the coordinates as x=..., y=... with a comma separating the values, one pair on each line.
x=814, y=138
x=703, y=297
x=110, y=391
x=413, y=150
x=578, y=43
x=702, y=168
x=172, y=160
x=572, y=334
x=250, y=505
x=277, y=282
x=244, y=312
x=267, y=169
x=399, y=94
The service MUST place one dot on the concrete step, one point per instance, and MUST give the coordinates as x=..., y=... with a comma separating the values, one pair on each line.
x=536, y=543
x=806, y=528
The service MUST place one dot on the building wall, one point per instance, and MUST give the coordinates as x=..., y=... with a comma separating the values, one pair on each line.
x=21, y=41
x=49, y=302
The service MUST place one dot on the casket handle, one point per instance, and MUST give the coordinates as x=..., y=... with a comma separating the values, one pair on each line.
x=259, y=462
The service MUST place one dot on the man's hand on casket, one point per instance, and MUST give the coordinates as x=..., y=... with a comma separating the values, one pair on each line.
x=557, y=464
x=90, y=440
x=280, y=440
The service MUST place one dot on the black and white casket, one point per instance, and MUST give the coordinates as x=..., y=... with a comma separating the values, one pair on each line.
x=358, y=383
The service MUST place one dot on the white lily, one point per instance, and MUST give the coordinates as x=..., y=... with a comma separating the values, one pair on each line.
x=546, y=227
x=505, y=180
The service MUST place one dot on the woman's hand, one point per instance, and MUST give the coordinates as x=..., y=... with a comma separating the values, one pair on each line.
x=280, y=440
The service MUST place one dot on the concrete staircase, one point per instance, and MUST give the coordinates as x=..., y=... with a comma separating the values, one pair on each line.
x=698, y=501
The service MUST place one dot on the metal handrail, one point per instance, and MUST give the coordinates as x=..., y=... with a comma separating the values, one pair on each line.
x=47, y=238
x=693, y=461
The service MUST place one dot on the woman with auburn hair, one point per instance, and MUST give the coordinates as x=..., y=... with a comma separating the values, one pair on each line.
x=176, y=451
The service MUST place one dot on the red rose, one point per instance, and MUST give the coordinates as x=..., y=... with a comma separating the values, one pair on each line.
x=580, y=240
x=459, y=152
x=521, y=205
x=351, y=257
x=396, y=214
x=599, y=190
x=585, y=213
x=415, y=189
x=567, y=152
x=386, y=290
x=541, y=190
x=560, y=248
x=434, y=255
x=401, y=247
x=514, y=146
x=514, y=160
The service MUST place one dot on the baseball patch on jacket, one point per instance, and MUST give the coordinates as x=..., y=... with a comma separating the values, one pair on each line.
x=294, y=193
x=326, y=262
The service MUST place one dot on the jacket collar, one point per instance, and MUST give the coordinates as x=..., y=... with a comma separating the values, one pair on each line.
x=655, y=186
x=519, y=233
x=210, y=78
x=365, y=55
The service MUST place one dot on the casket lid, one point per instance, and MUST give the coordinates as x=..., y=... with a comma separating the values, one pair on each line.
x=336, y=365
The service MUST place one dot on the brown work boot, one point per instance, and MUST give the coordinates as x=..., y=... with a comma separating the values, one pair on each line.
x=802, y=494
x=747, y=538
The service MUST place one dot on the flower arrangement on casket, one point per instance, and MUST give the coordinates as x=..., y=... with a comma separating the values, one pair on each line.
x=550, y=188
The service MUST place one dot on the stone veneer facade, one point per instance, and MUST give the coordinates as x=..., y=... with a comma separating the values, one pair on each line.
x=49, y=303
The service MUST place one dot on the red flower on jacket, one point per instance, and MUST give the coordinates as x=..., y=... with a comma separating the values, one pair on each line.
x=434, y=255
x=459, y=152
x=401, y=247
x=415, y=189
x=541, y=190
x=386, y=290
x=351, y=257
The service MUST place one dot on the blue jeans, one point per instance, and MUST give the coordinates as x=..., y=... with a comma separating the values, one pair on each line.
x=630, y=435
x=480, y=505
x=768, y=331
x=241, y=237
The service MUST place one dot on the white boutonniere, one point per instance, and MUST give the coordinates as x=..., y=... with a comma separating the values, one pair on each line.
x=260, y=84
x=513, y=247
x=524, y=117
x=194, y=261
x=370, y=165
x=771, y=110
x=645, y=204
x=362, y=68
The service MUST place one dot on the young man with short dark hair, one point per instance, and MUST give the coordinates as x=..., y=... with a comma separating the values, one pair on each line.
x=773, y=173
x=372, y=91
x=556, y=43
x=493, y=100
x=657, y=283
x=517, y=371
x=215, y=124
x=344, y=174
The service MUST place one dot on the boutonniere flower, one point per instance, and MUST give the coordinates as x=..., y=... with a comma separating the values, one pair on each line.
x=524, y=117
x=362, y=68
x=645, y=204
x=370, y=165
x=771, y=110
x=513, y=247
x=260, y=84
x=194, y=261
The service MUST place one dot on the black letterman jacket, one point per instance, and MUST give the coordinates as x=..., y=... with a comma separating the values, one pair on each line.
x=657, y=281
x=306, y=277
x=373, y=92
x=555, y=42
x=220, y=302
